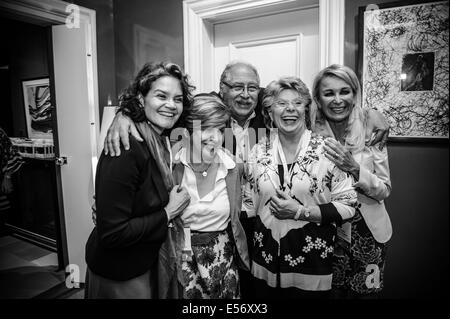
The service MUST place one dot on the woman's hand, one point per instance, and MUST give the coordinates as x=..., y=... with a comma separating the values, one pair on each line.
x=283, y=206
x=377, y=128
x=179, y=199
x=118, y=132
x=341, y=157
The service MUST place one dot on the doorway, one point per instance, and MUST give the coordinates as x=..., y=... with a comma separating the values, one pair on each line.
x=285, y=43
x=204, y=19
x=33, y=208
x=72, y=82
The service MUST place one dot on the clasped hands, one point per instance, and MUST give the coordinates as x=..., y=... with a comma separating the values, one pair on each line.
x=283, y=206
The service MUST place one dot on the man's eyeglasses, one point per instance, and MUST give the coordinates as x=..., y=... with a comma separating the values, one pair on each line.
x=239, y=88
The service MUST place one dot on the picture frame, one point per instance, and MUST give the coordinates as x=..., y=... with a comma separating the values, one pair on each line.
x=403, y=65
x=38, y=108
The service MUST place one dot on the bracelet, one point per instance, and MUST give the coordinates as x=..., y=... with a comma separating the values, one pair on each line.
x=298, y=213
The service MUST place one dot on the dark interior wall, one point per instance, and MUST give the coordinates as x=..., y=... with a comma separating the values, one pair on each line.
x=146, y=31
x=26, y=55
x=106, y=58
x=418, y=253
x=5, y=92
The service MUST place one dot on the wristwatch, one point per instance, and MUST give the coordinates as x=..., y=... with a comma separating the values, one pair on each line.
x=306, y=212
x=302, y=212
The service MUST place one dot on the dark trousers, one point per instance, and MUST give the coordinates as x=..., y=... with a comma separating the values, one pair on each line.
x=246, y=278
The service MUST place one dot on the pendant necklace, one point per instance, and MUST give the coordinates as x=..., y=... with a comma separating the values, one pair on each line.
x=203, y=172
x=299, y=154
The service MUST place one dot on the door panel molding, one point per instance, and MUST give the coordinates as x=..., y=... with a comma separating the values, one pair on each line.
x=199, y=17
x=233, y=47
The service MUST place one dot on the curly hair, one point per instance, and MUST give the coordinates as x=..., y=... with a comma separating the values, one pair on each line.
x=274, y=89
x=131, y=98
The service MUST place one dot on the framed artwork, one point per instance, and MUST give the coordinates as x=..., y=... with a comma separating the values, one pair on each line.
x=38, y=108
x=404, y=66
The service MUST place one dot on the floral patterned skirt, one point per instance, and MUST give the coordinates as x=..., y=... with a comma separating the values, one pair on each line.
x=359, y=267
x=212, y=273
x=302, y=258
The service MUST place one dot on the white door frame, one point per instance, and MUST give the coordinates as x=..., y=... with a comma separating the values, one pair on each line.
x=199, y=17
x=55, y=12
x=50, y=12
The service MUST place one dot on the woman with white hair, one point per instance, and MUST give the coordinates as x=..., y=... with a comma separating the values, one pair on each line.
x=361, y=249
x=298, y=197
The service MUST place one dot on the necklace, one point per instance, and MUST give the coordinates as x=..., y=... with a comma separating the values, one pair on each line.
x=300, y=153
x=204, y=172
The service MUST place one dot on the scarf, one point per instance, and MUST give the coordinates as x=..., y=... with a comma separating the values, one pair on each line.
x=170, y=281
x=160, y=152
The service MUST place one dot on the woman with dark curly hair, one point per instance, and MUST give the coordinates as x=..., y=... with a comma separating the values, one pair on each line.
x=135, y=193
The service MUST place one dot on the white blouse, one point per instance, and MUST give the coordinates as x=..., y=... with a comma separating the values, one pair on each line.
x=212, y=211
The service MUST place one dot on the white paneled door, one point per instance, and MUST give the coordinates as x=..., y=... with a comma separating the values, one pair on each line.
x=278, y=44
x=76, y=136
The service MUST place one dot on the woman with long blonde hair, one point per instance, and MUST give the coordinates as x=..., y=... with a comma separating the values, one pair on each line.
x=359, y=256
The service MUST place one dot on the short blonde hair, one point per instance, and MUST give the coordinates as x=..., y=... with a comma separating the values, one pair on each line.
x=275, y=88
x=209, y=109
x=355, y=137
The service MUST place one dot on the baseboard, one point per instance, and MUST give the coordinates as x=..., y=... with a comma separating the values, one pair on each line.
x=59, y=291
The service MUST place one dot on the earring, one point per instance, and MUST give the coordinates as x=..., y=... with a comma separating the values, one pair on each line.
x=141, y=100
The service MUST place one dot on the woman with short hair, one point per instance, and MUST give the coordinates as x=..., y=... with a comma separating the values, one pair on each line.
x=299, y=197
x=212, y=178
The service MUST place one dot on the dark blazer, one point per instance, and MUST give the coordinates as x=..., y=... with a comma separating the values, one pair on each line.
x=131, y=220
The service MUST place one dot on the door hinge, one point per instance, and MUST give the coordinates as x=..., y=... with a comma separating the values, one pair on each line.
x=60, y=161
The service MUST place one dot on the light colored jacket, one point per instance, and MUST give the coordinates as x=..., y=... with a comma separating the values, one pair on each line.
x=374, y=185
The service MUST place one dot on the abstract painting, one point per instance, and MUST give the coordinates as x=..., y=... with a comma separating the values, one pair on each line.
x=38, y=108
x=405, y=67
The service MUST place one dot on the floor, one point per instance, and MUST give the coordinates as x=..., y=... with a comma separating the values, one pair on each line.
x=29, y=271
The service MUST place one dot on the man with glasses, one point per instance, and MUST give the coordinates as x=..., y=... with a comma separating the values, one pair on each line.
x=240, y=91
